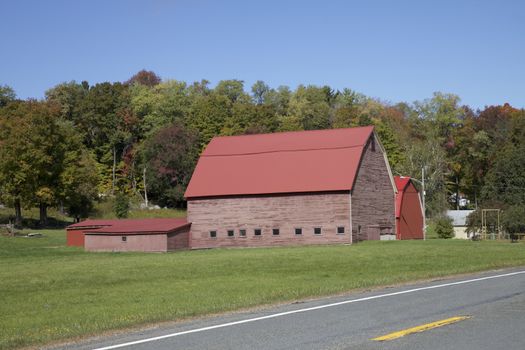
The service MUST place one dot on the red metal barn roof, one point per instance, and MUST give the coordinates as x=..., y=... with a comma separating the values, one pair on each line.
x=91, y=223
x=132, y=226
x=287, y=162
x=409, y=213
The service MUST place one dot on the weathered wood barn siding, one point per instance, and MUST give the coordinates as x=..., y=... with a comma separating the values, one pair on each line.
x=179, y=239
x=133, y=243
x=285, y=212
x=373, y=196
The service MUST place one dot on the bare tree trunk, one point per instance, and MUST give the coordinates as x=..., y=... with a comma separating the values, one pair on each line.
x=18, y=213
x=114, y=169
x=43, y=214
x=145, y=188
x=457, y=193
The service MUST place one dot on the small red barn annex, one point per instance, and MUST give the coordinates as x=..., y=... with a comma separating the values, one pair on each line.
x=304, y=187
x=409, y=212
x=146, y=235
x=75, y=233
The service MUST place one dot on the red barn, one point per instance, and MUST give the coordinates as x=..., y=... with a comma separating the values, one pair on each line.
x=145, y=235
x=409, y=212
x=306, y=187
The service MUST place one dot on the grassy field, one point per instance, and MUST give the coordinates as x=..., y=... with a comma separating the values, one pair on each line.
x=50, y=292
x=102, y=211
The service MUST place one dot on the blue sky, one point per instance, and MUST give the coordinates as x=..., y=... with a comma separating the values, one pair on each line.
x=393, y=50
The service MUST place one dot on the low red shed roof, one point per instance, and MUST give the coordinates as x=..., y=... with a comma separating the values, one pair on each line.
x=132, y=226
x=302, y=161
x=91, y=223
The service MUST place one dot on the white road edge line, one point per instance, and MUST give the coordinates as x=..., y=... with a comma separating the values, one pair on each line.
x=197, y=330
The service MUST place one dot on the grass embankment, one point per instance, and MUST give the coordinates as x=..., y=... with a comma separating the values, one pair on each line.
x=50, y=292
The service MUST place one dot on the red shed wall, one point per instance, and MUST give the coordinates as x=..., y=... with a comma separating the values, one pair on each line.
x=285, y=212
x=179, y=239
x=135, y=243
x=75, y=238
x=410, y=221
x=373, y=196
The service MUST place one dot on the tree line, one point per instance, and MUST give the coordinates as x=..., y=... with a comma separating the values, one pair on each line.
x=142, y=137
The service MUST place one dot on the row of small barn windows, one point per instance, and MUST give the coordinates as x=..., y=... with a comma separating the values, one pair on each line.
x=275, y=232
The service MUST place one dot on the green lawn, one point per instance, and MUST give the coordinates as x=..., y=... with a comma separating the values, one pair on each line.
x=50, y=292
x=102, y=211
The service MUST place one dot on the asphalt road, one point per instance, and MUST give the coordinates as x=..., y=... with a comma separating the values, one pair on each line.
x=495, y=302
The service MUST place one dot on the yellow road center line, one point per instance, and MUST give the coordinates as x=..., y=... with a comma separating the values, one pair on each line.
x=421, y=328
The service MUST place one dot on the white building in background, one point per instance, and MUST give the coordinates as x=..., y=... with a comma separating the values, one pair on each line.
x=459, y=221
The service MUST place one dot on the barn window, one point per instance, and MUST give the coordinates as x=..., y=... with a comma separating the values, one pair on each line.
x=298, y=231
x=275, y=232
x=213, y=234
x=124, y=238
x=230, y=233
x=257, y=232
x=317, y=230
x=242, y=233
x=340, y=230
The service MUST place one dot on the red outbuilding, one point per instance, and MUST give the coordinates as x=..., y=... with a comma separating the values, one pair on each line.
x=409, y=212
x=75, y=233
x=145, y=235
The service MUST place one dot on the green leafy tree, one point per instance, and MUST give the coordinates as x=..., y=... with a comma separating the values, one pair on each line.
x=7, y=94
x=106, y=125
x=347, y=109
x=233, y=89
x=208, y=116
x=69, y=96
x=513, y=220
x=505, y=180
x=442, y=113
x=121, y=206
x=443, y=227
x=160, y=106
x=310, y=105
x=32, y=155
x=200, y=88
x=16, y=176
x=279, y=99
x=250, y=118
x=79, y=177
x=427, y=154
x=259, y=92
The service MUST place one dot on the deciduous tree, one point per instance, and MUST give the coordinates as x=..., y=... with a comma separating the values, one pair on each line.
x=144, y=77
x=7, y=94
x=170, y=157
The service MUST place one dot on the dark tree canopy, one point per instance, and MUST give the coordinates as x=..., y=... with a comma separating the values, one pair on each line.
x=145, y=77
x=170, y=157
